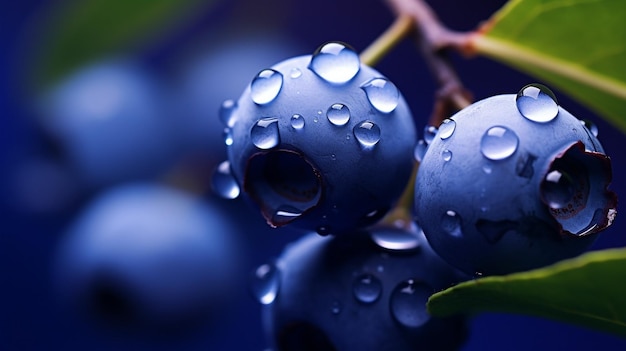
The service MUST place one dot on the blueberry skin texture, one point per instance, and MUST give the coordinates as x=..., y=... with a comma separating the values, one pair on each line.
x=316, y=309
x=321, y=170
x=145, y=258
x=489, y=216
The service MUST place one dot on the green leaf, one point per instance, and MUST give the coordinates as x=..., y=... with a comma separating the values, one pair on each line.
x=575, y=46
x=77, y=31
x=587, y=291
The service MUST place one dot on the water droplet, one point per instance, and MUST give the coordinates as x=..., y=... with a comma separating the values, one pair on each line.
x=558, y=189
x=228, y=137
x=335, y=62
x=367, y=288
x=498, y=143
x=451, y=223
x=266, y=86
x=446, y=129
x=323, y=230
x=429, y=133
x=265, y=134
x=297, y=122
x=591, y=127
x=295, y=73
x=285, y=214
x=396, y=240
x=335, y=308
x=223, y=182
x=446, y=155
x=227, y=112
x=537, y=103
x=408, y=303
x=382, y=94
x=367, y=134
x=420, y=150
x=265, y=283
x=338, y=114
x=487, y=169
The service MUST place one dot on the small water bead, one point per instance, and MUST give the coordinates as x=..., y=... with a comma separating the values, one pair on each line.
x=227, y=112
x=266, y=86
x=223, y=182
x=335, y=62
x=408, y=303
x=266, y=283
x=420, y=150
x=591, y=127
x=396, y=240
x=265, y=133
x=367, y=134
x=537, y=103
x=446, y=155
x=335, y=308
x=295, y=73
x=429, y=133
x=498, y=143
x=338, y=114
x=487, y=169
x=228, y=137
x=382, y=94
x=367, y=288
x=323, y=230
x=285, y=214
x=446, y=129
x=558, y=189
x=451, y=223
x=297, y=122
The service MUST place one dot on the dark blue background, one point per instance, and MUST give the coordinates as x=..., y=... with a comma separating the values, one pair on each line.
x=29, y=316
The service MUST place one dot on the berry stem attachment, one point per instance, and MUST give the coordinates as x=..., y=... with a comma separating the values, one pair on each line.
x=400, y=28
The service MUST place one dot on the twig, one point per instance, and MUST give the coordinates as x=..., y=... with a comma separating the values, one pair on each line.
x=401, y=27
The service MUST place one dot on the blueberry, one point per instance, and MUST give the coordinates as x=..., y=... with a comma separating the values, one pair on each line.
x=321, y=141
x=513, y=182
x=364, y=290
x=145, y=257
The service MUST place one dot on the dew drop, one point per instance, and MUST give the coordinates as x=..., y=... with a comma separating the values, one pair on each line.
x=498, y=143
x=420, y=150
x=264, y=133
x=558, y=189
x=429, y=134
x=487, y=169
x=227, y=112
x=537, y=103
x=335, y=308
x=297, y=122
x=335, y=62
x=446, y=129
x=266, y=86
x=591, y=127
x=228, y=137
x=367, y=134
x=396, y=240
x=367, y=288
x=285, y=214
x=323, y=230
x=265, y=283
x=338, y=114
x=223, y=182
x=295, y=73
x=408, y=303
x=451, y=223
x=446, y=155
x=382, y=94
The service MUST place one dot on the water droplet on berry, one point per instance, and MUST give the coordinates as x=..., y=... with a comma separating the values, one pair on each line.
x=266, y=86
x=446, y=129
x=537, y=103
x=285, y=214
x=558, y=189
x=227, y=112
x=295, y=73
x=265, y=133
x=591, y=127
x=408, y=303
x=451, y=223
x=265, y=283
x=446, y=155
x=297, y=122
x=498, y=143
x=367, y=134
x=396, y=240
x=338, y=114
x=367, y=288
x=323, y=230
x=335, y=62
x=420, y=150
x=429, y=133
x=487, y=169
x=382, y=94
x=228, y=137
x=223, y=182
x=335, y=308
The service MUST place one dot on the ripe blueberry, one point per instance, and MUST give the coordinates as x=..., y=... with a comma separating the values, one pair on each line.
x=321, y=141
x=513, y=182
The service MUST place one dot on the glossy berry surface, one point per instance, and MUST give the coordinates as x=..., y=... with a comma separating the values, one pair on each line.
x=321, y=141
x=513, y=182
x=319, y=297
